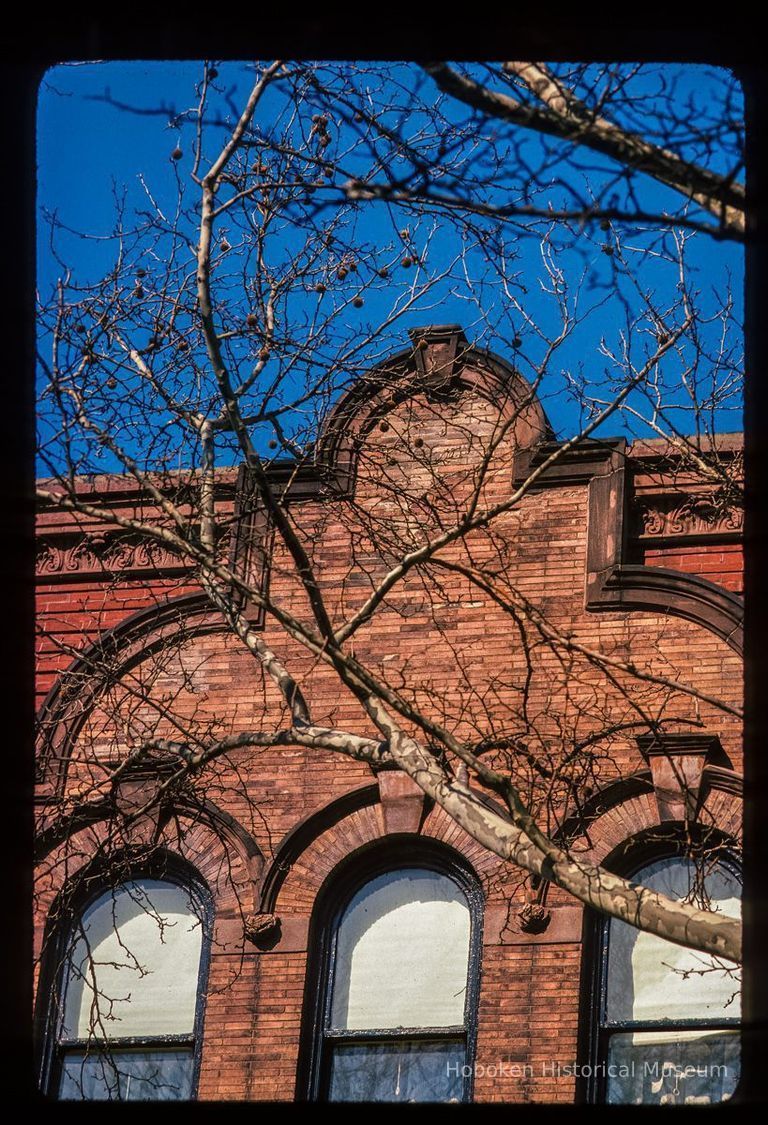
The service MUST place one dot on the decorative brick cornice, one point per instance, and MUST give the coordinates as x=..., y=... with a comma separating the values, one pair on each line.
x=674, y=516
x=579, y=464
x=103, y=554
x=612, y=582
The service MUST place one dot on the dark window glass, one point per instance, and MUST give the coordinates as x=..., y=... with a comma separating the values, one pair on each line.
x=398, y=1072
x=127, y=1076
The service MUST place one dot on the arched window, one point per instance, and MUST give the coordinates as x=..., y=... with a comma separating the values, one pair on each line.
x=668, y=1022
x=126, y=1026
x=395, y=1003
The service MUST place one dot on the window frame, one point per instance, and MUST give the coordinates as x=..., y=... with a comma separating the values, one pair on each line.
x=318, y=1039
x=596, y=1031
x=69, y=908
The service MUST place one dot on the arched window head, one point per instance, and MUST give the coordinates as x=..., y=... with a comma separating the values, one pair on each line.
x=128, y=1018
x=668, y=1028
x=397, y=992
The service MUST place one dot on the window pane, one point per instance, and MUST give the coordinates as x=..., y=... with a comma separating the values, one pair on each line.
x=672, y=1068
x=134, y=965
x=649, y=978
x=398, y=1072
x=129, y=1076
x=402, y=954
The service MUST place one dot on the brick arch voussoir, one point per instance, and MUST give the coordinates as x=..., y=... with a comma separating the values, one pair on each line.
x=310, y=853
x=627, y=809
x=216, y=847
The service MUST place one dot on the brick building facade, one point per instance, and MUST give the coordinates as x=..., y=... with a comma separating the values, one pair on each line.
x=625, y=548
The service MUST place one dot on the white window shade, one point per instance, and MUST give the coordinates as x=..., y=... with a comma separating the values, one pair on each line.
x=653, y=979
x=402, y=954
x=134, y=964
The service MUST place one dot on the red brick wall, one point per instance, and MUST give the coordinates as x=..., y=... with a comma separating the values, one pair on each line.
x=722, y=563
x=465, y=662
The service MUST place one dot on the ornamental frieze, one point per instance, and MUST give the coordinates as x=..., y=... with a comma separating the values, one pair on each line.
x=65, y=556
x=667, y=516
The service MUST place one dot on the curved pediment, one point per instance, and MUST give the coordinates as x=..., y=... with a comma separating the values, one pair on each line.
x=438, y=376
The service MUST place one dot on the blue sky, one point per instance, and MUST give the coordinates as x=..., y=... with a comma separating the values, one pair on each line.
x=106, y=132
